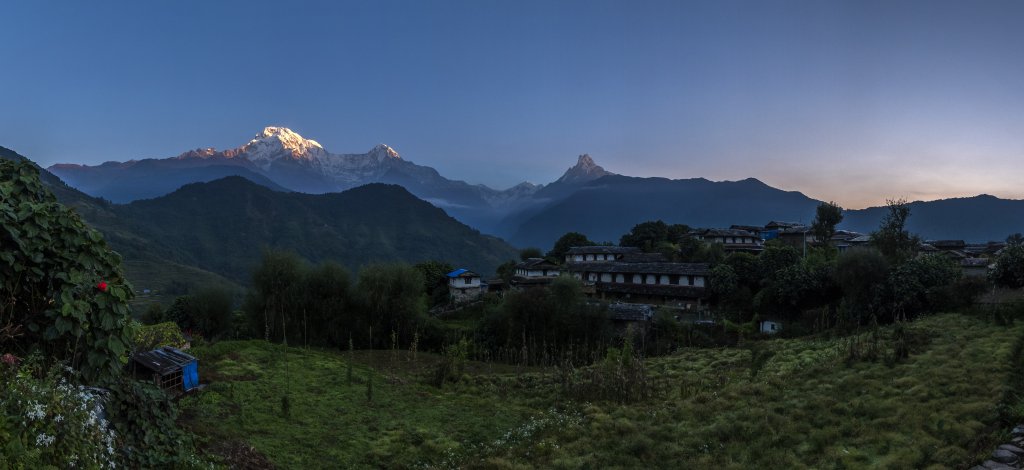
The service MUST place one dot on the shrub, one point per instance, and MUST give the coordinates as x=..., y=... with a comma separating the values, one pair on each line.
x=620, y=377
x=149, y=337
x=1009, y=269
x=61, y=287
x=146, y=421
x=453, y=362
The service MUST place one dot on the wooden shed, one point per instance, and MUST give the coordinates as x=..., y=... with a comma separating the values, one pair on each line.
x=169, y=368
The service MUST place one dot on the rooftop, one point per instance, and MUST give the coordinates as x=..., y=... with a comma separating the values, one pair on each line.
x=699, y=269
x=587, y=250
x=462, y=272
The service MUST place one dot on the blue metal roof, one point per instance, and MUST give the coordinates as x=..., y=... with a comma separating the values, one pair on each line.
x=457, y=272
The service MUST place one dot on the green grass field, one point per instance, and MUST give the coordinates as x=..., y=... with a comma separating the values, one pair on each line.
x=807, y=406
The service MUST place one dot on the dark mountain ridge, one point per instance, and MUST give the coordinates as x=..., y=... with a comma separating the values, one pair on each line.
x=610, y=206
x=223, y=225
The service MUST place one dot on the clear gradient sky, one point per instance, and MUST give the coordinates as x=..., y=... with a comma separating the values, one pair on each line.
x=848, y=101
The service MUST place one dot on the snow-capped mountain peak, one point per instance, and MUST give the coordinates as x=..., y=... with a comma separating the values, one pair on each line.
x=382, y=152
x=277, y=142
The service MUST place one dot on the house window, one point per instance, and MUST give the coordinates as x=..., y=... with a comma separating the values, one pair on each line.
x=620, y=278
x=468, y=281
x=689, y=280
x=637, y=279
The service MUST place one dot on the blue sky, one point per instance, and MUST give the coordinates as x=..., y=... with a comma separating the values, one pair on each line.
x=850, y=101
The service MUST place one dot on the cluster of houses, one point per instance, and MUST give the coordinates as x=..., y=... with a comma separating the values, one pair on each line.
x=631, y=281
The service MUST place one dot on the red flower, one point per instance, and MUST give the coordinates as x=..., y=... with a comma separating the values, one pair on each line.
x=9, y=359
x=102, y=286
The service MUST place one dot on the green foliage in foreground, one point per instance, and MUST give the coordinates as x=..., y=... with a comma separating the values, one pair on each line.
x=49, y=420
x=61, y=287
x=149, y=337
x=808, y=403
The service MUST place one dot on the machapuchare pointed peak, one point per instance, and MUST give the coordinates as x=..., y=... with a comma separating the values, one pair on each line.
x=584, y=170
x=585, y=161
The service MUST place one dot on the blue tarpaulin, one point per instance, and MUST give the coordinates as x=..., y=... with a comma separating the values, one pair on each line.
x=167, y=361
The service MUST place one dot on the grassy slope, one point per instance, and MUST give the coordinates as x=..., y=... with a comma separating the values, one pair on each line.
x=331, y=423
x=805, y=408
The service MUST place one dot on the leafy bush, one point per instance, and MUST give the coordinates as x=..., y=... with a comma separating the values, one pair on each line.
x=452, y=364
x=1009, y=269
x=149, y=337
x=146, y=421
x=209, y=312
x=61, y=287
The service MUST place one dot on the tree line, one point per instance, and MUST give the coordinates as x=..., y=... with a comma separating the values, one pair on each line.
x=387, y=305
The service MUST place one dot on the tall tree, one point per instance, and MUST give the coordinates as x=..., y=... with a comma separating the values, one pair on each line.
x=272, y=297
x=649, y=235
x=828, y=216
x=567, y=241
x=861, y=274
x=328, y=309
x=435, y=284
x=530, y=252
x=892, y=238
x=392, y=299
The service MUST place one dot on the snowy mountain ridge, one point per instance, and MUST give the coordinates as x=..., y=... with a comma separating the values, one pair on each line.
x=283, y=158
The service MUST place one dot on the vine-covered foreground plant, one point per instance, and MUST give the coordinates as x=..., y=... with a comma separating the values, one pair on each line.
x=61, y=287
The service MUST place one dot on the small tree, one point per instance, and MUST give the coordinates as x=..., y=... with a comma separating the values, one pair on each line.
x=828, y=216
x=892, y=238
x=861, y=275
x=1009, y=267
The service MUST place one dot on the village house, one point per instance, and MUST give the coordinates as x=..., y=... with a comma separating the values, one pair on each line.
x=464, y=285
x=637, y=278
x=625, y=315
x=579, y=254
x=732, y=239
x=842, y=240
x=535, y=272
x=770, y=327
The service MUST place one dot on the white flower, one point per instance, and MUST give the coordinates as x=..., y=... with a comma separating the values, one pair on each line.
x=58, y=418
x=38, y=411
x=43, y=440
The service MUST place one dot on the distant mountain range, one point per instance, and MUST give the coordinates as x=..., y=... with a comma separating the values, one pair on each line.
x=213, y=232
x=587, y=198
x=279, y=158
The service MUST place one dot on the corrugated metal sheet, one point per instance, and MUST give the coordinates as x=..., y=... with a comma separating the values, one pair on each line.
x=164, y=360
